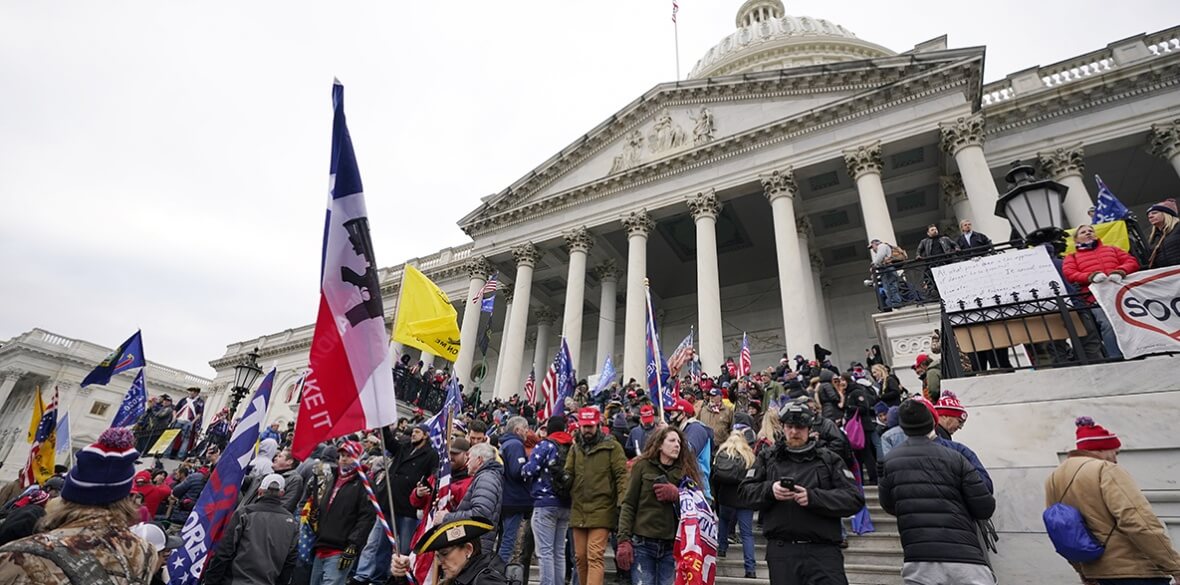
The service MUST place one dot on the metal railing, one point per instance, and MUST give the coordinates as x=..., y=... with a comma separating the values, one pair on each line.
x=412, y=389
x=911, y=282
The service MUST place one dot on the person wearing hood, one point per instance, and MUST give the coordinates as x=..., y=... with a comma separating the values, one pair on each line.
x=698, y=435
x=892, y=437
x=545, y=472
x=263, y=463
x=284, y=466
x=831, y=403
x=637, y=440
x=1093, y=262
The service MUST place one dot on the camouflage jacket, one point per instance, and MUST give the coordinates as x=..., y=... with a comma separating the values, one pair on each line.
x=126, y=558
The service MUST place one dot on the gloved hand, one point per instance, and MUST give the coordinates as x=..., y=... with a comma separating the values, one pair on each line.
x=625, y=555
x=1116, y=277
x=1098, y=277
x=348, y=557
x=666, y=492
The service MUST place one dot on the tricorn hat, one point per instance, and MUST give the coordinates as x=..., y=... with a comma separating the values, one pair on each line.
x=450, y=534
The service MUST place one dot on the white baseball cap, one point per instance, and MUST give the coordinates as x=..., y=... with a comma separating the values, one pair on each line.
x=151, y=533
x=273, y=481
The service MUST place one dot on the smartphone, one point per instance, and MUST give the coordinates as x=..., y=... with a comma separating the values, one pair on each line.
x=787, y=483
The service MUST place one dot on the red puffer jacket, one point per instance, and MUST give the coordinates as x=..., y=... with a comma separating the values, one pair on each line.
x=1078, y=266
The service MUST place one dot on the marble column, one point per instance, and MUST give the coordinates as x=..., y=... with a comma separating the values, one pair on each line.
x=821, y=290
x=608, y=277
x=579, y=241
x=1165, y=142
x=427, y=359
x=963, y=140
x=803, y=229
x=396, y=350
x=8, y=380
x=546, y=317
x=705, y=208
x=793, y=275
x=1066, y=165
x=507, y=294
x=526, y=256
x=954, y=195
x=864, y=166
x=478, y=270
x=638, y=224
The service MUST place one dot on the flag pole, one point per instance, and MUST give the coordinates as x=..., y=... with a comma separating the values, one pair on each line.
x=654, y=344
x=676, y=36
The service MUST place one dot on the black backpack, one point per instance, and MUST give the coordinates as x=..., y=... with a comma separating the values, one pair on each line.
x=562, y=481
x=729, y=469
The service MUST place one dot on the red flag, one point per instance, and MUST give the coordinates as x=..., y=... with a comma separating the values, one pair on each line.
x=695, y=549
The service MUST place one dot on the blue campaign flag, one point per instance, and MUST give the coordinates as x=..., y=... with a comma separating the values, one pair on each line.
x=605, y=377
x=127, y=356
x=488, y=305
x=1109, y=207
x=63, y=447
x=206, y=523
x=564, y=365
x=657, y=368
x=134, y=404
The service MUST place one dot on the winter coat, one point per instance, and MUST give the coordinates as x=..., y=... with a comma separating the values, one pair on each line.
x=599, y=471
x=721, y=421
x=936, y=496
x=936, y=246
x=186, y=492
x=831, y=493
x=833, y=439
x=537, y=472
x=637, y=440
x=486, y=568
x=292, y=490
x=729, y=471
x=454, y=491
x=829, y=398
x=482, y=500
x=257, y=548
x=933, y=378
x=410, y=466
x=1079, y=266
x=641, y=513
x=101, y=536
x=978, y=240
x=348, y=519
x=1165, y=254
x=859, y=402
x=1113, y=506
x=516, y=493
x=700, y=440
x=944, y=438
x=891, y=393
x=20, y=523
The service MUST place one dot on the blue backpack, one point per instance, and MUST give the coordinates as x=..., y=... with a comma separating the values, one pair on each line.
x=1067, y=529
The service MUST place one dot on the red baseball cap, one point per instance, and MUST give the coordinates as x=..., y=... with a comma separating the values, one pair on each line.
x=646, y=414
x=684, y=406
x=921, y=360
x=589, y=417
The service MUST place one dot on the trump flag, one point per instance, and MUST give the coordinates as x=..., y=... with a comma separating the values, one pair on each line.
x=128, y=355
x=349, y=383
x=134, y=404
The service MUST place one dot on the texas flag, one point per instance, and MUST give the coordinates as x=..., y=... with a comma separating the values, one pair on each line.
x=349, y=384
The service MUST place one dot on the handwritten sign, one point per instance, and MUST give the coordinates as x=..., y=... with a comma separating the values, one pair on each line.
x=984, y=277
x=163, y=442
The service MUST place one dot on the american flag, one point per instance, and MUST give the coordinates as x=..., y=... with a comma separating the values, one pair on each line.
x=530, y=388
x=491, y=286
x=657, y=368
x=675, y=9
x=558, y=382
x=43, y=452
x=440, y=426
x=681, y=355
x=744, y=359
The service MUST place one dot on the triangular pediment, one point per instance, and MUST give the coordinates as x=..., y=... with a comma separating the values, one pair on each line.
x=695, y=120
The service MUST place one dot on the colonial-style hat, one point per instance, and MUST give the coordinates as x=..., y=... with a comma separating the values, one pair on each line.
x=450, y=534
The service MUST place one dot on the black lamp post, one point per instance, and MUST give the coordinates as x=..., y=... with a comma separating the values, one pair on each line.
x=1033, y=207
x=245, y=373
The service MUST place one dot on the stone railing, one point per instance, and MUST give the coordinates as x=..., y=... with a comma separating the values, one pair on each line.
x=1158, y=44
x=176, y=376
x=448, y=256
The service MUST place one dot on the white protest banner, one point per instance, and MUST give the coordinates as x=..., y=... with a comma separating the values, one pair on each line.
x=984, y=277
x=1144, y=310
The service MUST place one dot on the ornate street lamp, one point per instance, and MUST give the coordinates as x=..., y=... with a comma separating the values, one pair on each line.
x=245, y=373
x=1033, y=207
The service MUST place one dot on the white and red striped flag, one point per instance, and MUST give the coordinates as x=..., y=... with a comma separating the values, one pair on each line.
x=681, y=355
x=491, y=286
x=530, y=388
x=558, y=382
x=744, y=358
x=349, y=384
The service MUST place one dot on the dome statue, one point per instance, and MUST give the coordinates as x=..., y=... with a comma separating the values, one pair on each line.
x=767, y=39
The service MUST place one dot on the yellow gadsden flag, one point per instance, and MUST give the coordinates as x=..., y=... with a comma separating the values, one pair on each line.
x=38, y=412
x=425, y=317
x=1112, y=234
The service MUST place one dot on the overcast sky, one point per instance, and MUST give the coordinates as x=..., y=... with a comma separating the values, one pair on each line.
x=163, y=165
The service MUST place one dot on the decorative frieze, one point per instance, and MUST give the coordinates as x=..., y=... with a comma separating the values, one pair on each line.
x=963, y=132
x=864, y=159
x=1165, y=139
x=579, y=239
x=607, y=270
x=638, y=223
x=526, y=255
x=779, y=184
x=1063, y=162
x=704, y=204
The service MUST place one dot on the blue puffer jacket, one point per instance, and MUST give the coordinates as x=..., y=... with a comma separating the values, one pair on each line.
x=516, y=491
x=700, y=440
x=188, y=489
x=537, y=473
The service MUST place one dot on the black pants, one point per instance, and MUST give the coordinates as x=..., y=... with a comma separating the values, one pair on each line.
x=805, y=564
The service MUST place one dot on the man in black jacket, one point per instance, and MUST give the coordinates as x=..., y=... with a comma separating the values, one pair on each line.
x=937, y=497
x=259, y=542
x=802, y=491
x=413, y=464
x=970, y=239
x=345, y=519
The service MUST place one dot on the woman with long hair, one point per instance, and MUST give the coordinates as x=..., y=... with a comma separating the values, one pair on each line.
x=734, y=458
x=891, y=390
x=1163, y=245
x=649, y=516
x=771, y=429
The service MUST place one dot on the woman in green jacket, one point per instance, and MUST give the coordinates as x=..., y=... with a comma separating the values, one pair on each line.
x=648, y=519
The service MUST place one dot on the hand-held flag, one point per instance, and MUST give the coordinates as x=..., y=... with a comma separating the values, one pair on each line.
x=681, y=355
x=134, y=404
x=439, y=429
x=349, y=385
x=744, y=359
x=657, y=368
x=426, y=320
x=64, y=448
x=43, y=452
x=530, y=387
x=558, y=383
x=205, y=524
x=1109, y=207
x=127, y=356
x=38, y=412
x=605, y=377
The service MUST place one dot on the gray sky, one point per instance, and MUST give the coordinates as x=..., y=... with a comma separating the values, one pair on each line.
x=163, y=165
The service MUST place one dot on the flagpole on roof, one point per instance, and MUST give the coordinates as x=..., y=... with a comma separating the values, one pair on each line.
x=676, y=36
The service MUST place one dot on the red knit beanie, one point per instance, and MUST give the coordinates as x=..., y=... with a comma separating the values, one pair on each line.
x=948, y=405
x=1092, y=437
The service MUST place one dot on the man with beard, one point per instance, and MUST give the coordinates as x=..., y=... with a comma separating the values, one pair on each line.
x=598, y=475
x=292, y=496
x=638, y=437
x=802, y=491
x=413, y=464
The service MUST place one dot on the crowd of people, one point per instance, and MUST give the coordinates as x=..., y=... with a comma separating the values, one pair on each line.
x=785, y=450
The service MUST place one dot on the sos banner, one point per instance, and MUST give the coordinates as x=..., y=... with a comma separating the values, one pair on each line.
x=1144, y=310
x=695, y=550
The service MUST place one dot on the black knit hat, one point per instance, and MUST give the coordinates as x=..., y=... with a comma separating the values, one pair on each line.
x=915, y=418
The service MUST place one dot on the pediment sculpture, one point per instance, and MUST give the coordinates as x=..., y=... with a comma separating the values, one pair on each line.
x=666, y=137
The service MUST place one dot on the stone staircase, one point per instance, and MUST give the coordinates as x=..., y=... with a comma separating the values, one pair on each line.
x=870, y=559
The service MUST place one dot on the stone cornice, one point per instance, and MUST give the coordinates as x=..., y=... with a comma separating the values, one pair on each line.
x=892, y=82
x=70, y=360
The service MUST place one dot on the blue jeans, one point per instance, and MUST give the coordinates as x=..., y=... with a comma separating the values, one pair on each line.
x=184, y=426
x=373, y=563
x=510, y=526
x=654, y=564
x=327, y=571
x=406, y=525
x=745, y=523
x=549, y=528
x=1109, y=342
x=891, y=282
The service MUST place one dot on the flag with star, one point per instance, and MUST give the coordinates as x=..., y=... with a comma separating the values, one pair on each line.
x=43, y=452
x=127, y=356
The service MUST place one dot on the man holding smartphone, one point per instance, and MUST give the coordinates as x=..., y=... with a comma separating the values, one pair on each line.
x=803, y=491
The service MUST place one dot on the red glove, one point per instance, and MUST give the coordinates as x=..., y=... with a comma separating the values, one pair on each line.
x=624, y=555
x=666, y=492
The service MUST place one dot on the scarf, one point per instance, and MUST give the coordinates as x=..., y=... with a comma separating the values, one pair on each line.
x=1088, y=245
x=346, y=475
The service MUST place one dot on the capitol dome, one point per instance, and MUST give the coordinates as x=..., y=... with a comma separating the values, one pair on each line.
x=767, y=39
